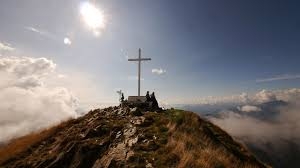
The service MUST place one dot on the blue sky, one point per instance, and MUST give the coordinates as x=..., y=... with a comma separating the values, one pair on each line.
x=206, y=47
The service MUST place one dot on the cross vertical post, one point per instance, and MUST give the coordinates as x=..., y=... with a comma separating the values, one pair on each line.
x=139, y=73
x=139, y=59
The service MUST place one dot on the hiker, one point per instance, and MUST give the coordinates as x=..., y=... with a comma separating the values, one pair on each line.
x=148, y=99
x=154, y=101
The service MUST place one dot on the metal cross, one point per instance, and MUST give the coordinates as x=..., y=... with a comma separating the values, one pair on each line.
x=139, y=59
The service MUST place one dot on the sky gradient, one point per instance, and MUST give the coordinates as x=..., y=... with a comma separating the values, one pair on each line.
x=203, y=47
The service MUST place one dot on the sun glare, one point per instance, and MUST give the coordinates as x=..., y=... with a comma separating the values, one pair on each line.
x=92, y=17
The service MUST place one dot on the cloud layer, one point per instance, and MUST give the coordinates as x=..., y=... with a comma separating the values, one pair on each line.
x=270, y=127
x=27, y=103
x=159, y=71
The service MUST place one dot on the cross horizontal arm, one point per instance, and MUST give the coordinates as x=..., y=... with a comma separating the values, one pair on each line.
x=133, y=59
x=146, y=59
x=142, y=59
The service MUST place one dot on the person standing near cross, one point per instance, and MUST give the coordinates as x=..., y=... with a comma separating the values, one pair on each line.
x=139, y=59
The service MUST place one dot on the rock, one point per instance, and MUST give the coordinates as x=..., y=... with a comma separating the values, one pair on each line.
x=118, y=134
x=148, y=165
x=96, y=132
x=132, y=141
x=136, y=112
x=128, y=132
x=137, y=120
x=133, y=109
x=147, y=122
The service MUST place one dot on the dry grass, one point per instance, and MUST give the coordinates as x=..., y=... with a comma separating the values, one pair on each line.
x=22, y=144
x=193, y=142
x=195, y=156
x=196, y=148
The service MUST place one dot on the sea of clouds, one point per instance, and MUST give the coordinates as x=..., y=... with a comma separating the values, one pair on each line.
x=285, y=126
x=33, y=95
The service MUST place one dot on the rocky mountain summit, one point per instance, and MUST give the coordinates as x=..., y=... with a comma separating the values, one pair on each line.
x=129, y=137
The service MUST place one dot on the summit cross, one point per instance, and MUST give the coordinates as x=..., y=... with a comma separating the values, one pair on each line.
x=139, y=59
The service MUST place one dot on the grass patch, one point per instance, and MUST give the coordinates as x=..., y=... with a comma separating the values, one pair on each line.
x=176, y=116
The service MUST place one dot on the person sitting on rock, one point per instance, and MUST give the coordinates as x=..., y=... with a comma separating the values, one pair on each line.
x=154, y=101
x=148, y=97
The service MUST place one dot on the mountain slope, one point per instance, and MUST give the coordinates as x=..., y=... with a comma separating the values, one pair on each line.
x=124, y=137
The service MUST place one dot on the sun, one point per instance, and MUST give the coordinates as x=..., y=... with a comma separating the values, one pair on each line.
x=92, y=17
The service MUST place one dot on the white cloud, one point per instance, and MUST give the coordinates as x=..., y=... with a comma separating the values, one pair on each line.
x=213, y=100
x=6, y=47
x=24, y=110
x=264, y=96
x=272, y=129
x=158, y=71
x=262, y=121
x=250, y=108
x=33, y=95
x=67, y=41
x=247, y=128
x=34, y=30
x=29, y=82
x=245, y=98
x=278, y=78
x=26, y=66
x=61, y=76
x=288, y=95
x=49, y=35
x=285, y=128
x=43, y=33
